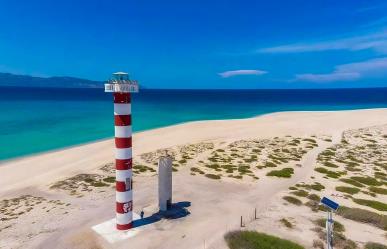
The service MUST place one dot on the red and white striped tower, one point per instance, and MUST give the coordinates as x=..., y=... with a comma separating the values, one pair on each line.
x=121, y=87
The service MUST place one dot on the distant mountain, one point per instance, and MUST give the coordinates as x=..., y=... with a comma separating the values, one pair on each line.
x=8, y=79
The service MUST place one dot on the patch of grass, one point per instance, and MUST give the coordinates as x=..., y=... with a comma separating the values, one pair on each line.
x=348, y=190
x=110, y=179
x=317, y=186
x=255, y=240
x=337, y=227
x=330, y=165
x=197, y=170
x=352, y=182
x=213, y=166
x=270, y=165
x=367, y=180
x=318, y=244
x=292, y=200
x=138, y=168
x=327, y=153
x=314, y=197
x=328, y=173
x=300, y=193
x=212, y=176
x=244, y=169
x=285, y=172
x=377, y=190
x=364, y=216
x=286, y=223
x=99, y=184
x=381, y=176
x=372, y=204
x=309, y=140
x=373, y=245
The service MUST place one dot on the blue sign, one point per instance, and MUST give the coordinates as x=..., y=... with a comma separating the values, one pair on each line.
x=329, y=203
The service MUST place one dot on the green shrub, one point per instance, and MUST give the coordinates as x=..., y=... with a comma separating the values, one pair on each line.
x=314, y=197
x=328, y=173
x=212, y=176
x=348, y=190
x=364, y=216
x=317, y=186
x=352, y=182
x=337, y=227
x=99, y=184
x=110, y=179
x=377, y=190
x=270, y=165
x=286, y=223
x=309, y=140
x=285, y=172
x=381, y=176
x=255, y=240
x=331, y=165
x=292, y=200
x=367, y=180
x=197, y=170
x=373, y=245
x=373, y=204
x=300, y=193
x=327, y=153
x=213, y=166
x=244, y=169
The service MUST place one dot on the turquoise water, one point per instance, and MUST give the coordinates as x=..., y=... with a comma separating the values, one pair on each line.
x=34, y=120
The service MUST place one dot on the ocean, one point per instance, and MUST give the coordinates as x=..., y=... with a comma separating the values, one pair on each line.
x=34, y=120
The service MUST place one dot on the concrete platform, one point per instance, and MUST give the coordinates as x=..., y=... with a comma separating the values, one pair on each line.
x=109, y=232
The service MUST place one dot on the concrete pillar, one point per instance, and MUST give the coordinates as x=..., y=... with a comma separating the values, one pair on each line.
x=165, y=183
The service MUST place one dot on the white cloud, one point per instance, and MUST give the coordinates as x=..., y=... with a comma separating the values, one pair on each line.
x=374, y=68
x=241, y=72
x=376, y=41
x=322, y=78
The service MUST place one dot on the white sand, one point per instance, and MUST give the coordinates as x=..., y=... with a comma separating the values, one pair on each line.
x=216, y=206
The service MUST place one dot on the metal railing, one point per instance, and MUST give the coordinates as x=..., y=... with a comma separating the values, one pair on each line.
x=121, y=86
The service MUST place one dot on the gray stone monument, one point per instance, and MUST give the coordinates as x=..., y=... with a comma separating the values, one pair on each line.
x=165, y=183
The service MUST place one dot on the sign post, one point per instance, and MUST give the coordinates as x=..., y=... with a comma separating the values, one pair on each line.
x=332, y=206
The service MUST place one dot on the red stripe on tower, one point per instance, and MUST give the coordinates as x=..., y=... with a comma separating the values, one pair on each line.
x=120, y=97
x=123, y=142
x=122, y=120
x=123, y=164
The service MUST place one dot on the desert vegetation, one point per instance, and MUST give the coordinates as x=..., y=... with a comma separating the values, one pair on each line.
x=255, y=240
x=253, y=159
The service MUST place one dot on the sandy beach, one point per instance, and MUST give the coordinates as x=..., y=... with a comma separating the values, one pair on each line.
x=223, y=170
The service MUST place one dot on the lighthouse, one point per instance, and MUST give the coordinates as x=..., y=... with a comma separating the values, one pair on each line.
x=121, y=87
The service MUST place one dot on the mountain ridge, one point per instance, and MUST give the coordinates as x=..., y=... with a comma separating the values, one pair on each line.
x=9, y=79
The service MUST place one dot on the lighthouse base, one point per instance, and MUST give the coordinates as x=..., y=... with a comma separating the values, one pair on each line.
x=108, y=230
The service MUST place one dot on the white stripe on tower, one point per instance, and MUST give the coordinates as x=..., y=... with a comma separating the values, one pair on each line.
x=123, y=141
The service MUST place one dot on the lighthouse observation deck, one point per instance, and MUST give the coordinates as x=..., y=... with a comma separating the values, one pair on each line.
x=121, y=83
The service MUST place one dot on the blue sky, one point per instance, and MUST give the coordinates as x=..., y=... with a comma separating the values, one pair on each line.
x=200, y=44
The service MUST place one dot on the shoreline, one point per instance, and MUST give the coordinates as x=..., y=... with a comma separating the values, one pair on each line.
x=14, y=159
